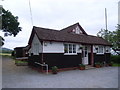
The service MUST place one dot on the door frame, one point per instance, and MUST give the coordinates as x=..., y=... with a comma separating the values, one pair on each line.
x=85, y=55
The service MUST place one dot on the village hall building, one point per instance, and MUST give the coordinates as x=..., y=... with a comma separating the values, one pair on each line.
x=66, y=48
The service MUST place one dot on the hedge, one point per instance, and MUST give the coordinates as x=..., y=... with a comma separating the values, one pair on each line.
x=115, y=58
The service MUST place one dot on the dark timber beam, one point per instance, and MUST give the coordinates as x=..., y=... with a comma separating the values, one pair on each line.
x=92, y=57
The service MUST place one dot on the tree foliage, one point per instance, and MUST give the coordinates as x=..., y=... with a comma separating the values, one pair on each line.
x=105, y=34
x=1, y=41
x=111, y=36
x=10, y=24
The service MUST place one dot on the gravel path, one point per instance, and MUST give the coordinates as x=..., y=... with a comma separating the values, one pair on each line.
x=24, y=77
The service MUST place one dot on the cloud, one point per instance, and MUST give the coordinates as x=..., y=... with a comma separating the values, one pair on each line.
x=58, y=14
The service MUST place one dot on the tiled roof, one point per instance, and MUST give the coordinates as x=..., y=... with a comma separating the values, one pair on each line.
x=63, y=35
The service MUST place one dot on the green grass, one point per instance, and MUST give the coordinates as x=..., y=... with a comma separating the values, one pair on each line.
x=116, y=65
x=5, y=54
x=8, y=54
x=16, y=61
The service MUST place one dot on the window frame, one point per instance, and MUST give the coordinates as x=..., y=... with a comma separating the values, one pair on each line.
x=99, y=51
x=70, y=49
x=107, y=49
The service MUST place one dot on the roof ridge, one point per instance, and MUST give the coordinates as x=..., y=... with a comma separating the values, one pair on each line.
x=45, y=28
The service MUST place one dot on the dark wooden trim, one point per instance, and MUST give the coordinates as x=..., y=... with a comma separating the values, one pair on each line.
x=92, y=56
x=102, y=57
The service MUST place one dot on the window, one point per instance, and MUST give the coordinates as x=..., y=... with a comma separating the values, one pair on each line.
x=65, y=48
x=69, y=48
x=85, y=52
x=74, y=48
x=100, y=49
x=107, y=49
x=76, y=30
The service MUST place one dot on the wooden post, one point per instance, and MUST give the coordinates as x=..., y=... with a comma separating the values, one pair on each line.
x=92, y=57
x=42, y=54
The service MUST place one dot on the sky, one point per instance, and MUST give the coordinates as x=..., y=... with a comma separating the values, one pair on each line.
x=58, y=14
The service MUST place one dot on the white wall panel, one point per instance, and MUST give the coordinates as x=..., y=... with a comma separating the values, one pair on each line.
x=36, y=49
x=56, y=47
x=53, y=47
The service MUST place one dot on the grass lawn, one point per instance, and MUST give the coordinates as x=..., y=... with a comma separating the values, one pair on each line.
x=5, y=54
x=18, y=61
x=116, y=65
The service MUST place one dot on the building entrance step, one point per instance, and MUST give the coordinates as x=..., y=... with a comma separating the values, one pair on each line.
x=89, y=67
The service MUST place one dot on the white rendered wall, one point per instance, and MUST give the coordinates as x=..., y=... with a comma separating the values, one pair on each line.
x=36, y=50
x=53, y=47
x=56, y=47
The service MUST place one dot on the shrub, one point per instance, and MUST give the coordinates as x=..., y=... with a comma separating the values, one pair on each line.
x=97, y=63
x=81, y=65
x=54, y=68
x=115, y=58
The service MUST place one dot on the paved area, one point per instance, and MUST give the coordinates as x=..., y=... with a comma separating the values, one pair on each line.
x=23, y=77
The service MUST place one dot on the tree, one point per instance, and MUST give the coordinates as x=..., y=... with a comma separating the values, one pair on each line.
x=1, y=41
x=10, y=24
x=105, y=34
x=112, y=36
x=117, y=36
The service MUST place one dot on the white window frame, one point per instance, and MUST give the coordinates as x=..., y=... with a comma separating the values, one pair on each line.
x=107, y=48
x=99, y=51
x=68, y=49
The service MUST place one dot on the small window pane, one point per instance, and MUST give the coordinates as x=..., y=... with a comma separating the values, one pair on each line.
x=100, y=49
x=85, y=51
x=66, y=48
x=70, y=48
x=74, y=48
x=107, y=49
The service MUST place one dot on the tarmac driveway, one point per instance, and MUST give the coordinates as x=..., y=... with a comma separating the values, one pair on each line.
x=24, y=77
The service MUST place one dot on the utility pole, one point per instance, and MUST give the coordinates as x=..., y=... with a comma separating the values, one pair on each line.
x=119, y=12
x=106, y=18
x=31, y=12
